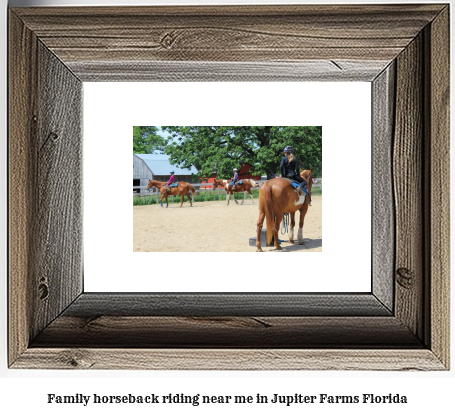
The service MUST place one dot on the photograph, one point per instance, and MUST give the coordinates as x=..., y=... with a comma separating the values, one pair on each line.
x=227, y=188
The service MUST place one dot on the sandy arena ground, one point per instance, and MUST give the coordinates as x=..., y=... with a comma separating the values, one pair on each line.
x=215, y=227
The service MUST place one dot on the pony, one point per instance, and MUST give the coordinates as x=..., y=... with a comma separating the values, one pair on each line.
x=183, y=189
x=276, y=197
x=245, y=187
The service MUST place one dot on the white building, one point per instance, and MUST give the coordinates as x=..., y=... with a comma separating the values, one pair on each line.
x=157, y=167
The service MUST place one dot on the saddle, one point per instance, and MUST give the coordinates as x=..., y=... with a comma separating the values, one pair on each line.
x=296, y=185
x=175, y=184
x=237, y=183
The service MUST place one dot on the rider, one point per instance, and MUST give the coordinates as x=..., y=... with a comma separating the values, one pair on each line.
x=289, y=167
x=170, y=181
x=235, y=178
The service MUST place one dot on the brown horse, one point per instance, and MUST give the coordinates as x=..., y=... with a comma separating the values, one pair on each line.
x=183, y=189
x=244, y=187
x=276, y=197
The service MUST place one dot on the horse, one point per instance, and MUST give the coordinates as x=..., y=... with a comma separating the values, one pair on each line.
x=183, y=189
x=245, y=187
x=276, y=197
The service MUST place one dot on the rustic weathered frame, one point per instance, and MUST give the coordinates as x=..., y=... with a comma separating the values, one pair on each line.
x=403, y=50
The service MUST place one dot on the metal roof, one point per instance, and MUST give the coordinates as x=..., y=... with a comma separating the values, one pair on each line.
x=160, y=166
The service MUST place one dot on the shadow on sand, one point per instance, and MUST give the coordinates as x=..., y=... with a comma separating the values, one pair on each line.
x=177, y=207
x=307, y=244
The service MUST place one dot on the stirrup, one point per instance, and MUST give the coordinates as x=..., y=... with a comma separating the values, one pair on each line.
x=303, y=192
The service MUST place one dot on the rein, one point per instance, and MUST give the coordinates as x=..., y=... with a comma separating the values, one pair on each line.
x=285, y=224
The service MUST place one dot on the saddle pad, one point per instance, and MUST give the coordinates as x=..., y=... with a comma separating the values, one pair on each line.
x=238, y=182
x=295, y=185
x=175, y=184
x=293, y=182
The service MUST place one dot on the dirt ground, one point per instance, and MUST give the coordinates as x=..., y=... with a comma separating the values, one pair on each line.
x=215, y=227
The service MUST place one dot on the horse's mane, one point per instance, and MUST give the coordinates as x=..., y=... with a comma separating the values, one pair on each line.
x=156, y=183
x=308, y=176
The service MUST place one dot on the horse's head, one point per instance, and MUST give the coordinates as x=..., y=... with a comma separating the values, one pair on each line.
x=215, y=184
x=150, y=184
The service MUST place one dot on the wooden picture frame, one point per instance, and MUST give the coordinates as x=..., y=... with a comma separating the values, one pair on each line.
x=403, y=324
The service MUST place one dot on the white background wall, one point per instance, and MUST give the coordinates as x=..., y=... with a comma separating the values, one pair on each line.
x=26, y=391
x=337, y=106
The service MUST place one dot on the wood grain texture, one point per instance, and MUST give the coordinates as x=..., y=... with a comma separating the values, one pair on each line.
x=45, y=187
x=439, y=180
x=53, y=49
x=383, y=215
x=58, y=193
x=22, y=131
x=408, y=188
x=214, y=305
x=310, y=71
x=256, y=332
x=235, y=359
x=226, y=34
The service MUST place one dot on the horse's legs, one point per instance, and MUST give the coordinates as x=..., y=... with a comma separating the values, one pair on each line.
x=233, y=196
x=162, y=197
x=244, y=194
x=182, y=195
x=252, y=198
x=260, y=224
x=291, y=227
x=303, y=211
x=189, y=198
x=227, y=197
x=278, y=219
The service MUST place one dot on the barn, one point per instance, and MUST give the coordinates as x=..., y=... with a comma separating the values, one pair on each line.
x=157, y=167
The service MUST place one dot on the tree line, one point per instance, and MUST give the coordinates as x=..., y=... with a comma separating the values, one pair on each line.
x=212, y=149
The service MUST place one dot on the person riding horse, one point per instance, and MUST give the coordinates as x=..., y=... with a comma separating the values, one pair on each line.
x=234, y=179
x=289, y=168
x=170, y=181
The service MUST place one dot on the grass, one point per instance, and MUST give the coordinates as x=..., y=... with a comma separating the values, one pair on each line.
x=144, y=200
x=316, y=191
x=205, y=197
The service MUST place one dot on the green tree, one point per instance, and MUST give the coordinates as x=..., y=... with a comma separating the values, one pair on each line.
x=220, y=149
x=146, y=140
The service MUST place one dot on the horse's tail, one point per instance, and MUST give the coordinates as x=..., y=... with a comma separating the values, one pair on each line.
x=191, y=189
x=268, y=207
x=253, y=183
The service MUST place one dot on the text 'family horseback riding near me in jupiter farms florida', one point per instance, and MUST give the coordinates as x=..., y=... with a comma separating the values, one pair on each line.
x=203, y=399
